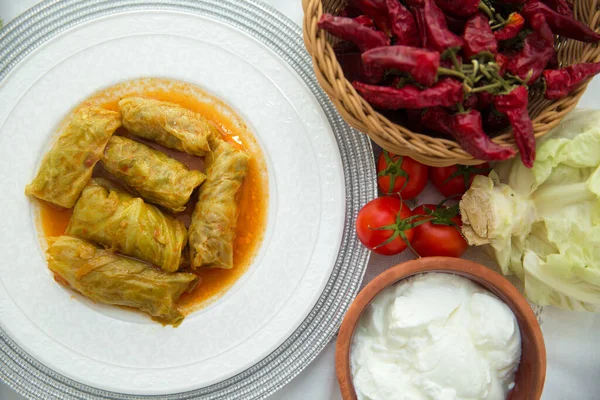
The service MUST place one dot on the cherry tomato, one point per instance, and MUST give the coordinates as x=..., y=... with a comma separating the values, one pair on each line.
x=440, y=235
x=456, y=179
x=390, y=213
x=401, y=174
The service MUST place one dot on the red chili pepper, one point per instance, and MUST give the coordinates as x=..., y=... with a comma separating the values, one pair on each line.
x=459, y=8
x=421, y=64
x=446, y=93
x=433, y=28
x=553, y=63
x=365, y=20
x=437, y=119
x=502, y=62
x=376, y=9
x=536, y=52
x=348, y=29
x=561, y=82
x=514, y=105
x=560, y=6
x=514, y=25
x=468, y=133
x=478, y=37
x=355, y=70
x=560, y=24
x=403, y=24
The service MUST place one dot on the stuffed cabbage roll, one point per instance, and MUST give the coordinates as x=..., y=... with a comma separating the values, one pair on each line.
x=67, y=167
x=212, y=229
x=128, y=225
x=107, y=278
x=157, y=177
x=167, y=124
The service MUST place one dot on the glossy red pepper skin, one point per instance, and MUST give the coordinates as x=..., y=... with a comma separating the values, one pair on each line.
x=560, y=6
x=561, y=82
x=514, y=25
x=537, y=50
x=514, y=105
x=421, y=64
x=459, y=8
x=403, y=24
x=478, y=37
x=445, y=93
x=433, y=28
x=348, y=29
x=560, y=24
x=468, y=132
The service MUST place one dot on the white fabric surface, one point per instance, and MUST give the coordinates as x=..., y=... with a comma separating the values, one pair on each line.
x=571, y=338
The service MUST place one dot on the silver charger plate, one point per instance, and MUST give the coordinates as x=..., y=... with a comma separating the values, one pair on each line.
x=50, y=18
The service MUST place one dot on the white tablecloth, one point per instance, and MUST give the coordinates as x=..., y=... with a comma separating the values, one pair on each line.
x=572, y=339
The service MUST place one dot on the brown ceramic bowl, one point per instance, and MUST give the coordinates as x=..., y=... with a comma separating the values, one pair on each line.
x=529, y=379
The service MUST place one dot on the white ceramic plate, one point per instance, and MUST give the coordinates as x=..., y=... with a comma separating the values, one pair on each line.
x=121, y=352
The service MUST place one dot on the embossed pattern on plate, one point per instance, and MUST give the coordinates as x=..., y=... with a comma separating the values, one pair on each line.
x=45, y=21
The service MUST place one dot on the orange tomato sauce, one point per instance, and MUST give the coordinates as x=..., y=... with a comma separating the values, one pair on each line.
x=253, y=199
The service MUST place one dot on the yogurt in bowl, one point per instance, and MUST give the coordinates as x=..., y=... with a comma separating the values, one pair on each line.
x=440, y=328
x=435, y=336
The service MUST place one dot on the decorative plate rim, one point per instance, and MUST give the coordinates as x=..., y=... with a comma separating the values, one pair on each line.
x=39, y=24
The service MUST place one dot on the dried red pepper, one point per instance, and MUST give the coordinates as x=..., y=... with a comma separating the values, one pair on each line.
x=437, y=119
x=468, y=132
x=364, y=20
x=514, y=25
x=537, y=50
x=560, y=6
x=459, y=8
x=560, y=24
x=348, y=29
x=355, y=70
x=514, y=105
x=445, y=93
x=376, y=9
x=560, y=82
x=433, y=28
x=421, y=64
x=501, y=62
x=478, y=37
x=403, y=24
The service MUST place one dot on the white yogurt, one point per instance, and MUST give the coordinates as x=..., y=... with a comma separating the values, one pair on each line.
x=435, y=336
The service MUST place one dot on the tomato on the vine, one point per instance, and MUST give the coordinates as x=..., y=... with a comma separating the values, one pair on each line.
x=440, y=235
x=401, y=175
x=456, y=179
x=384, y=225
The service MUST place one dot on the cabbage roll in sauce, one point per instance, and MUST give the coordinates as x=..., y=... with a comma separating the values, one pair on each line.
x=157, y=177
x=128, y=225
x=107, y=278
x=212, y=229
x=167, y=124
x=67, y=167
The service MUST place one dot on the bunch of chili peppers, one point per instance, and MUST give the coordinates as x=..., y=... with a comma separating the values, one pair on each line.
x=463, y=67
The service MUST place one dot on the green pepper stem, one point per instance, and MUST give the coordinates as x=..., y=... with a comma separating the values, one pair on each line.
x=451, y=72
x=486, y=88
x=486, y=10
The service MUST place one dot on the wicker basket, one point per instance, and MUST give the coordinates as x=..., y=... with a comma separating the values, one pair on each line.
x=426, y=149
